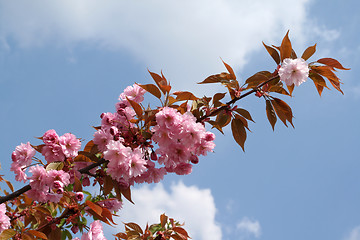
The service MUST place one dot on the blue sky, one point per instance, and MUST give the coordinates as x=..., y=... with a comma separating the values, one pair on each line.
x=63, y=63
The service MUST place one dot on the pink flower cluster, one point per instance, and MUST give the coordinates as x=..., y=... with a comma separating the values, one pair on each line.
x=57, y=148
x=113, y=124
x=181, y=140
x=21, y=159
x=4, y=219
x=294, y=71
x=126, y=165
x=95, y=232
x=47, y=185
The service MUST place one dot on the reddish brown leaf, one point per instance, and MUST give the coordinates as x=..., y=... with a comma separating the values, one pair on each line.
x=318, y=79
x=121, y=235
x=257, y=79
x=38, y=234
x=326, y=71
x=161, y=82
x=244, y=113
x=108, y=215
x=151, y=88
x=239, y=132
x=38, y=148
x=244, y=121
x=223, y=119
x=273, y=53
x=90, y=156
x=230, y=70
x=182, y=96
x=135, y=227
x=127, y=194
x=77, y=185
x=108, y=185
x=319, y=88
x=55, y=234
x=285, y=48
x=332, y=63
x=181, y=231
x=290, y=88
x=270, y=114
x=308, y=52
x=89, y=146
x=163, y=220
x=283, y=110
x=136, y=107
x=218, y=96
x=217, y=78
x=336, y=85
x=26, y=236
x=95, y=207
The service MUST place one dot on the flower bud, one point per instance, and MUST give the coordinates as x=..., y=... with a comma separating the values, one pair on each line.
x=79, y=196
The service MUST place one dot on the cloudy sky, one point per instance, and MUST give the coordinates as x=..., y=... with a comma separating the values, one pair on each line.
x=63, y=63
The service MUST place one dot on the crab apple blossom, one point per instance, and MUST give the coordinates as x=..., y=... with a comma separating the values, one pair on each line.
x=95, y=232
x=70, y=145
x=4, y=219
x=294, y=71
x=21, y=158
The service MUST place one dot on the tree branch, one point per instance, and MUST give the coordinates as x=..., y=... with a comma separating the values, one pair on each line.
x=236, y=99
x=28, y=187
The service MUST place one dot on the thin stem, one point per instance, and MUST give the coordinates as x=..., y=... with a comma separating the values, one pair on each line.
x=28, y=187
x=236, y=99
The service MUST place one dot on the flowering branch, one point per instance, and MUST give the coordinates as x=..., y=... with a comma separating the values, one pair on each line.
x=26, y=188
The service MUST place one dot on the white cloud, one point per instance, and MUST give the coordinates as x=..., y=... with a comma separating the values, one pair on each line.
x=184, y=38
x=354, y=234
x=249, y=227
x=187, y=204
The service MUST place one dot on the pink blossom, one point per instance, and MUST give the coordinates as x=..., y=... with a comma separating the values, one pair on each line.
x=294, y=71
x=180, y=139
x=183, y=169
x=70, y=145
x=118, y=156
x=50, y=137
x=95, y=232
x=136, y=163
x=4, y=219
x=102, y=138
x=21, y=158
x=53, y=153
x=134, y=93
x=47, y=186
